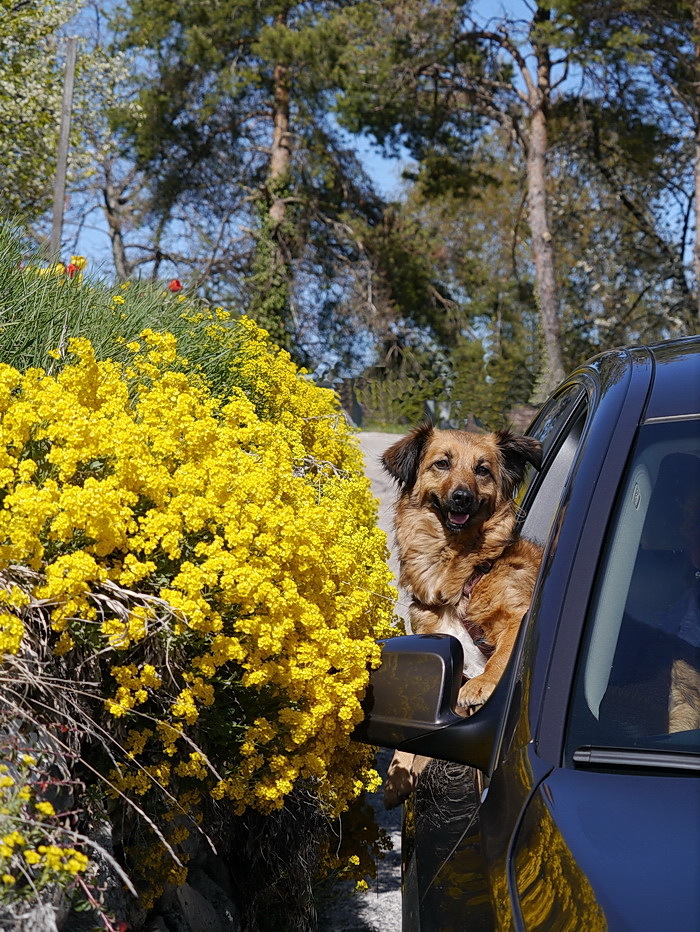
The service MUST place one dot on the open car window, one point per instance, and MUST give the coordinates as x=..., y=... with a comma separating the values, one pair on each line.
x=638, y=677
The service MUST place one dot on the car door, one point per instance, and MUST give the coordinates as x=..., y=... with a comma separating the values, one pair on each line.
x=445, y=879
x=588, y=460
x=461, y=826
x=609, y=840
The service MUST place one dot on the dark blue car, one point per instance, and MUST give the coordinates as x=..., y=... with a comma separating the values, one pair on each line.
x=571, y=800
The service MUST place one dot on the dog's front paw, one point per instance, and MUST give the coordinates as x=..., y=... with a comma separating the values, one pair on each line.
x=398, y=787
x=475, y=692
x=400, y=780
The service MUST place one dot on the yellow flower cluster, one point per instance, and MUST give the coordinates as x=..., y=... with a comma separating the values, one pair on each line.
x=32, y=852
x=133, y=687
x=12, y=600
x=247, y=516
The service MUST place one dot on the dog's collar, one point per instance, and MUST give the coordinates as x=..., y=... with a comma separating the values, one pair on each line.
x=479, y=571
x=476, y=632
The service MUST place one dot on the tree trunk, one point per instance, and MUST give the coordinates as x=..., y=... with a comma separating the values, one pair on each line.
x=696, y=166
x=281, y=154
x=552, y=371
x=271, y=303
x=114, y=225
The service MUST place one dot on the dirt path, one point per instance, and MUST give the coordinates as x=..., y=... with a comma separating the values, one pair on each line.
x=379, y=908
x=373, y=446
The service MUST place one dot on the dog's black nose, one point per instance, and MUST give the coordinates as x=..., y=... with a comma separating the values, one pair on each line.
x=461, y=499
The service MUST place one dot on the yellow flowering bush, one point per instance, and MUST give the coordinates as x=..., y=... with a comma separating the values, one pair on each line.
x=213, y=557
x=35, y=847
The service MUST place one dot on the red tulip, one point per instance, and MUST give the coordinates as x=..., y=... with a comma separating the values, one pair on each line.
x=175, y=285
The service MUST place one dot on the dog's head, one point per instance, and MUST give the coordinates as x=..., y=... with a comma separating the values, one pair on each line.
x=463, y=476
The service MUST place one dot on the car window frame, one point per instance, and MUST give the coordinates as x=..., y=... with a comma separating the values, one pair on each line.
x=558, y=457
x=617, y=395
x=571, y=422
x=582, y=692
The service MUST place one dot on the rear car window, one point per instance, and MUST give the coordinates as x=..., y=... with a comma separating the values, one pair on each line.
x=638, y=677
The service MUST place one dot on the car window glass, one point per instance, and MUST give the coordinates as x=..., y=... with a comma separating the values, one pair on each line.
x=551, y=421
x=638, y=682
x=558, y=428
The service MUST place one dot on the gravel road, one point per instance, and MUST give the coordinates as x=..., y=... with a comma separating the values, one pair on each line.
x=379, y=908
x=373, y=444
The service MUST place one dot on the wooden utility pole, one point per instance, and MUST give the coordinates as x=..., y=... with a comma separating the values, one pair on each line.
x=695, y=110
x=59, y=191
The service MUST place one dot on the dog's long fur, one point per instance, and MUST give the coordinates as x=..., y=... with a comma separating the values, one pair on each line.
x=468, y=573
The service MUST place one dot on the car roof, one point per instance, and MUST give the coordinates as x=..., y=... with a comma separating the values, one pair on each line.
x=673, y=370
x=676, y=385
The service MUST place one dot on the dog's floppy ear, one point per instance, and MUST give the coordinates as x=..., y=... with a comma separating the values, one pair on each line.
x=516, y=452
x=402, y=459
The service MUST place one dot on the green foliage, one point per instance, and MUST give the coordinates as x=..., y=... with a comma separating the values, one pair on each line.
x=390, y=75
x=203, y=130
x=188, y=97
x=399, y=400
x=451, y=78
x=37, y=317
x=489, y=387
x=270, y=281
x=442, y=92
x=406, y=273
x=622, y=278
x=476, y=389
x=40, y=850
x=31, y=87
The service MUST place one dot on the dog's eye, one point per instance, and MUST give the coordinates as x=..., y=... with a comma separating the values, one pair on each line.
x=442, y=464
x=482, y=471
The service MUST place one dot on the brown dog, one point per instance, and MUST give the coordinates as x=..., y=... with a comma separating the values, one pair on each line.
x=469, y=575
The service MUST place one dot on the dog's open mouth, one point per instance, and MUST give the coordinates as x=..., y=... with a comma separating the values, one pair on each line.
x=455, y=515
x=456, y=520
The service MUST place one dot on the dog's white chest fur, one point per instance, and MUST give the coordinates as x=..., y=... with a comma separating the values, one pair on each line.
x=474, y=659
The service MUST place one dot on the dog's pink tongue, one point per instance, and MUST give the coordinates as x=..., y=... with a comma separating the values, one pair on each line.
x=458, y=518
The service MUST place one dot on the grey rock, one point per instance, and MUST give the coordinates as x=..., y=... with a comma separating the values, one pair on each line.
x=198, y=912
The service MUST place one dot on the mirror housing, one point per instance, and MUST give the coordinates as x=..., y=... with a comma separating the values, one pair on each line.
x=410, y=701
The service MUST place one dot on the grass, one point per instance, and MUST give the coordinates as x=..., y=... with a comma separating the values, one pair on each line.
x=36, y=318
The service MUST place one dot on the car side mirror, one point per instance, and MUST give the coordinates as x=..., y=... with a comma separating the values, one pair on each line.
x=411, y=698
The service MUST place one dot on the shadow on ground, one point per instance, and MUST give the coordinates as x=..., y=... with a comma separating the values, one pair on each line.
x=378, y=909
x=343, y=909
